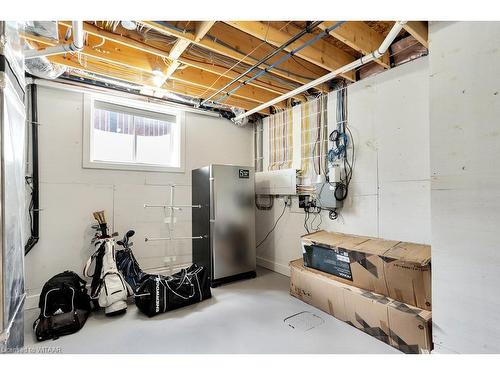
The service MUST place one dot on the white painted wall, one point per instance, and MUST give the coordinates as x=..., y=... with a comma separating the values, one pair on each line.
x=390, y=190
x=69, y=194
x=465, y=166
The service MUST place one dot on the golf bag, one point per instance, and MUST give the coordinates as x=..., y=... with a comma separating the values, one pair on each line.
x=127, y=264
x=108, y=288
x=157, y=294
x=64, y=306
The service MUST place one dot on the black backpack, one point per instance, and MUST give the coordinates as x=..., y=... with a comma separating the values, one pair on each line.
x=158, y=294
x=64, y=306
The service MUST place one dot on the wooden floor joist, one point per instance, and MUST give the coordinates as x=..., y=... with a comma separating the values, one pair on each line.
x=182, y=44
x=419, y=30
x=231, y=50
x=359, y=36
x=138, y=61
x=263, y=82
x=205, y=80
x=145, y=79
x=320, y=53
x=197, y=58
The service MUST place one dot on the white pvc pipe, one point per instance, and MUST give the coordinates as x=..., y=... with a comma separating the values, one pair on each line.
x=78, y=34
x=75, y=46
x=344, y=69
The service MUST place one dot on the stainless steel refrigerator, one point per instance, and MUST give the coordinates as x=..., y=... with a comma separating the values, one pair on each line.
x=225, y=221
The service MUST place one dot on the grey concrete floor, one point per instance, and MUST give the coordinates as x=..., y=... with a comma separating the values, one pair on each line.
x=242, y=317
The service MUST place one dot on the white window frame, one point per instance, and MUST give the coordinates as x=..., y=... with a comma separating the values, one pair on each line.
x=141, y=108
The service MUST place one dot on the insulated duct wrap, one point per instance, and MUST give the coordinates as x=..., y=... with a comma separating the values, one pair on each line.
x=46, y=29
x=239, y=112
x=41, y=67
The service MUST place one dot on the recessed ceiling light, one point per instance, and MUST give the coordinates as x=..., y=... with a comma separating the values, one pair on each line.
x=129, y=25
x=158, y=77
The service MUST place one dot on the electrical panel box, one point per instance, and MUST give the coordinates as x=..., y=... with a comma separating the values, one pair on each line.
x=279, y=182
x=325, y=196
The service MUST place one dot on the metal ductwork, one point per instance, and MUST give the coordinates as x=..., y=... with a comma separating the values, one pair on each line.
x=75, y=46
x=41, y=67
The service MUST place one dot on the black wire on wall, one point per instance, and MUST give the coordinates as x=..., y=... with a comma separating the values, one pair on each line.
x=33, y=180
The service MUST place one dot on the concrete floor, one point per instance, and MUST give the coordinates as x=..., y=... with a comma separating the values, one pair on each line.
x=242, y=317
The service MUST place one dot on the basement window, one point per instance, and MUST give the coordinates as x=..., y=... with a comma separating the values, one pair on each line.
x=132, y=135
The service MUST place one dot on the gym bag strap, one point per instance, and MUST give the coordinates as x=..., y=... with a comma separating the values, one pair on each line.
x=157, y=293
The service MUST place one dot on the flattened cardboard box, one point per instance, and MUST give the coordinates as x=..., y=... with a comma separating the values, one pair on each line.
x=403, y=326
x=400, y=270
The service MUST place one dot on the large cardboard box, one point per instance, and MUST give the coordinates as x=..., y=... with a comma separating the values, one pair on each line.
x=400, y=270
x=403, y=326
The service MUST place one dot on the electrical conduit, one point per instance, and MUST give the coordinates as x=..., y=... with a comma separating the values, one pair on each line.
x=346, y=68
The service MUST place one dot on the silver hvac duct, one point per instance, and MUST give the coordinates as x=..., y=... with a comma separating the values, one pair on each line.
x=43, y=68
x=75, y=46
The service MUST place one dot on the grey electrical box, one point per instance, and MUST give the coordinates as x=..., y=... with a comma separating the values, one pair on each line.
x=325, y=195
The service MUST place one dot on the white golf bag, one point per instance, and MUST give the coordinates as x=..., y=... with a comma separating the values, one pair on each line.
x=108, y=287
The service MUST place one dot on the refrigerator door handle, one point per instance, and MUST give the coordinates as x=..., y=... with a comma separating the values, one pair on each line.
x=212, y=199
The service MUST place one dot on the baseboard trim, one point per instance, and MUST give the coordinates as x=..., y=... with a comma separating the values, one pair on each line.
x=274, y=266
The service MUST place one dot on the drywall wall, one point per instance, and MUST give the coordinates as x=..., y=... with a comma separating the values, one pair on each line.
x=390, y=190
x=465, y=182
x=69, y=193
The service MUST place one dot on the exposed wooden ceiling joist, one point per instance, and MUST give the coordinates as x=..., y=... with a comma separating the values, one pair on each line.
x=182, y=44
x=126, y=57
x=253, y=49
x=359, y=36
x=320, y=53
x=263, y=81
x=205, y=80
x=419, y=30
x=231, y=49
x=144, y=79
x=200, y=57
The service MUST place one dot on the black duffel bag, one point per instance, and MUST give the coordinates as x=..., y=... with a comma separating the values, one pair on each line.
x=158, y=294
x=64, y=306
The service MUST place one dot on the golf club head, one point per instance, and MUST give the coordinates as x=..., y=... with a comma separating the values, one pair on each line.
x=130, y=233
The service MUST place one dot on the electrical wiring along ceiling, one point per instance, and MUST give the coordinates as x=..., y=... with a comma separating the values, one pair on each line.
x=225, y=51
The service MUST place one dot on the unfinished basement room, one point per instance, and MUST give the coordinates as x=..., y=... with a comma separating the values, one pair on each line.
x=228, y=183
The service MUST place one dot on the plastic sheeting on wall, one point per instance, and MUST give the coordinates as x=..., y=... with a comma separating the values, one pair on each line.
x=12, y=168
x=12, y=119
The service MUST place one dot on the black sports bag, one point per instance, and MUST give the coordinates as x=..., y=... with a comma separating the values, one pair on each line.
x=158, y=294
x=129, y=267
x=64, y=306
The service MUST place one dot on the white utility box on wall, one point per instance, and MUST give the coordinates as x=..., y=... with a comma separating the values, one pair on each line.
x=279, y=182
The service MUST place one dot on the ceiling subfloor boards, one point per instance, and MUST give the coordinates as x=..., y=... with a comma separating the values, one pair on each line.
x=197, y=58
